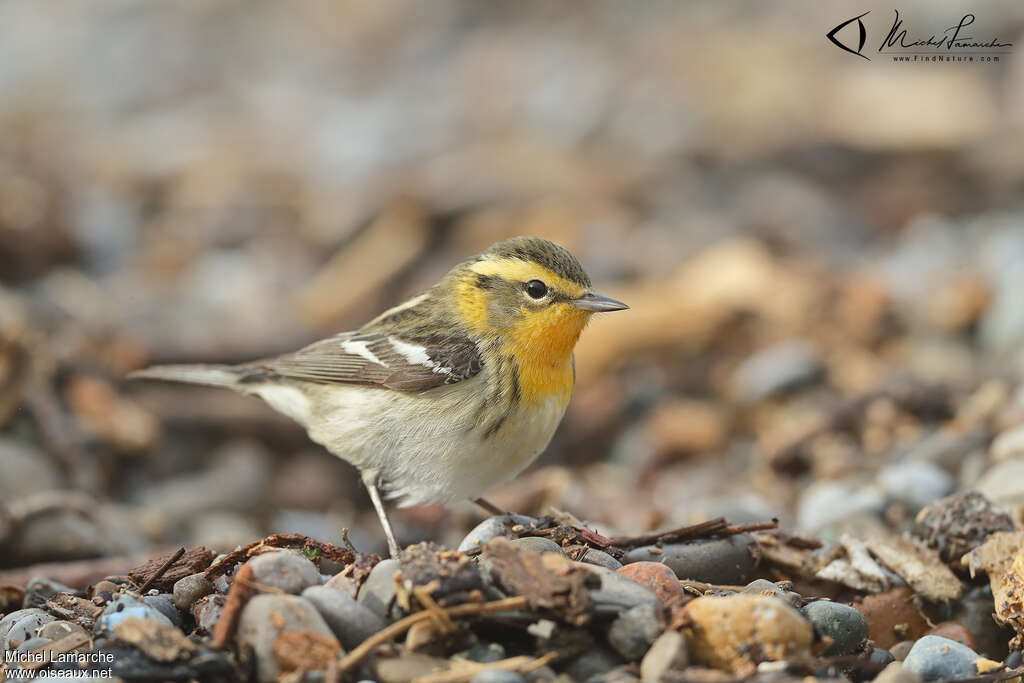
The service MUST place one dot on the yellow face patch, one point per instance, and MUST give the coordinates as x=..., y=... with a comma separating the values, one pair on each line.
x=541, y=336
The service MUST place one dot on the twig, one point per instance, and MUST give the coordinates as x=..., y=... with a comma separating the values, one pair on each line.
x=239, y=593
x=402, y=625
x=162, y=570
x=699, y=530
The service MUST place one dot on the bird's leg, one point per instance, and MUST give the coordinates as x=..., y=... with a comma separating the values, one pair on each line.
x=370, y=480
x=489, y=506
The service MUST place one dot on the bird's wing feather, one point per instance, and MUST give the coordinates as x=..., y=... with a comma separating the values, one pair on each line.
x=371, y=358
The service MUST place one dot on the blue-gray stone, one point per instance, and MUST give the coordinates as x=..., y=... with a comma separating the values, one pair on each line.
x=843, y=624
x=497, y=676
x=934, y=658
x=492, y=527
x=378, y=591
x=351, y=621
x=633, y=631
x=716, y=560
x=284, y=570
x=124, y=606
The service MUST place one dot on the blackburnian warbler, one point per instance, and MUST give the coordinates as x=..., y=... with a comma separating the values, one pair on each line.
x=446, y=395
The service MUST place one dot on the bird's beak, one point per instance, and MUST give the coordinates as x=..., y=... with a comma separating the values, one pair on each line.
x=597, y=303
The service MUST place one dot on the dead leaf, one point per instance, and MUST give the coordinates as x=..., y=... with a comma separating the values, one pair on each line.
x=920, y=567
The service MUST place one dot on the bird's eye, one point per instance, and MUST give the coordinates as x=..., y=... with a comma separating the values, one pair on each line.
x=536, y=289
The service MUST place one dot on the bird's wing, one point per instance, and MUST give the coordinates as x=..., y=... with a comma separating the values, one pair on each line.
x=386, y=360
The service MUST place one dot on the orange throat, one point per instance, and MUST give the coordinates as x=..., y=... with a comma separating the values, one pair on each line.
x=543, y=349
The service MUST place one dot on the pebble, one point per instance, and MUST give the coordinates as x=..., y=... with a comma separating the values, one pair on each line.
x=265, y=617
x=164, y=603
x=893, y=616
x=726, y=632
x=41, y=589
x=766, y=587
x=286, y=571
x=26, y=470
x=957, y=524
x=600, y=558
x=828, y=503
x=881, y=657
x=594, y=662
x=491, y=527
x=915, y=483
x=633, y=631
x=896, y=673
x=14, y=617
x=124, y=606
x=656, y=576
x=207, y=609
x=843, y=624
x=617, y=593
x=26, y=628
x=189, y=589
x=378, y=591
x=1003, y=484
x=667, y=653
x=538, y=544
x=408, y=667
x=351, y=621
x=497, y=676
x=718, y=560
x=934, y=658
x=1009, y=444
x=55, y=630
x=776, y=369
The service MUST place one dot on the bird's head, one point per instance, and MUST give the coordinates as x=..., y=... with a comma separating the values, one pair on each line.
x=530, y=293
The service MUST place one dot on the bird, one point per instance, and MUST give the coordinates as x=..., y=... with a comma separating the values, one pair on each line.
x=445, y=396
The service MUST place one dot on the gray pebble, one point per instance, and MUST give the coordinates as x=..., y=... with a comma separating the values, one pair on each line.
x=601, y=559
x=265, y=617
x=164, y=603
x=14, y=617
x=935, y=658
x=593, y=662
x=633, y=631
x=351, y=621
x=718, y=560
x=843, y=624
x=26, y=628
x=41, y=589
x=915, y=483
x=286, y=571
x=881, y=657
x=668, y=653
x=485, y=652
x=497, y=676
x=775, y=370
x=766, y=587
x=617, y=593
x=491, y=527
x=538, y=544
x=55, y=630
x=189, y=589
x=124, y=606
x=378, y=591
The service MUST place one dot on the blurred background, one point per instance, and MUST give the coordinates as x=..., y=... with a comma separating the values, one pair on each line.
x=824, y=254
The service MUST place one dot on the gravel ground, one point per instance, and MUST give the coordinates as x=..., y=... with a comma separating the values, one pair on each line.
x=800, y=453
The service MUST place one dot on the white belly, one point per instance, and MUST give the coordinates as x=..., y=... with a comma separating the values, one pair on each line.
x=426, y=448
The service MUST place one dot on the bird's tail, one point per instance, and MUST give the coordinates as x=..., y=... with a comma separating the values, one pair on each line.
x=212, y=375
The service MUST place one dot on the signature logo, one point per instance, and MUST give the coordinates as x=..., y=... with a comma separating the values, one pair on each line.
x=831, y=35
x=955, y=40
